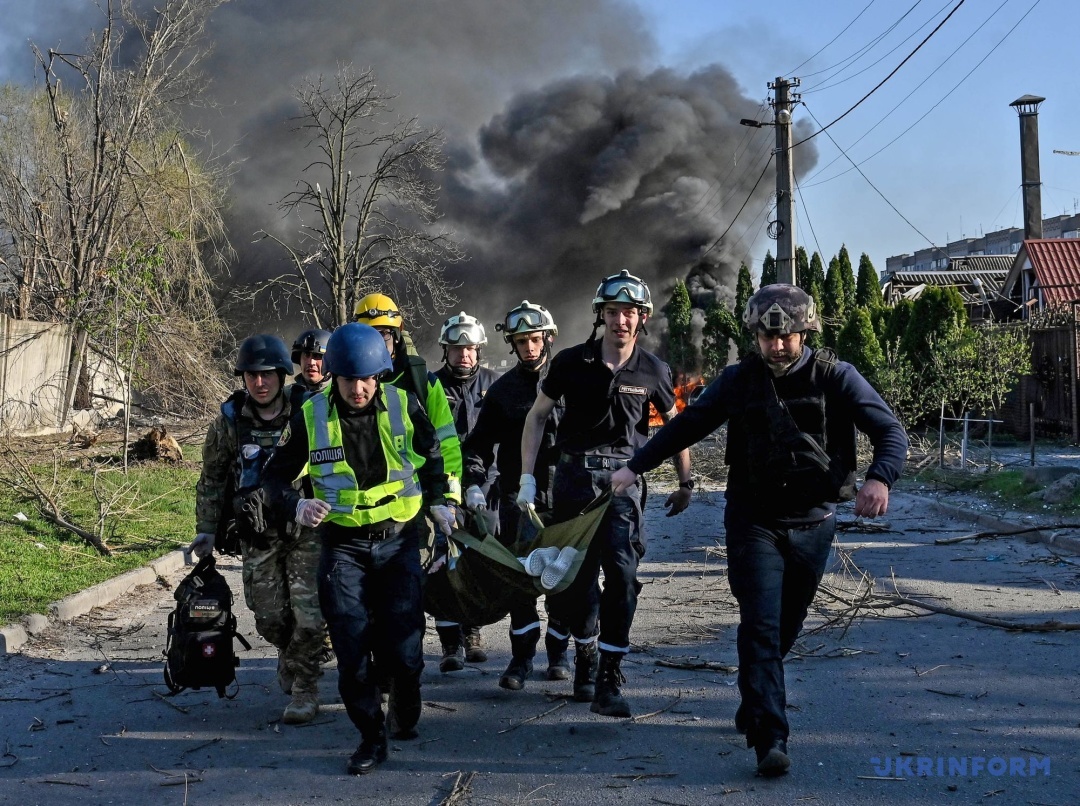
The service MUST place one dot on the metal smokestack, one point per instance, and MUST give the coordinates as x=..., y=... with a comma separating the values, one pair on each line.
x=1027, y=108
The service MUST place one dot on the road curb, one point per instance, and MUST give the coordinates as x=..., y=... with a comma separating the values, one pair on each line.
x=14, y=636
x=994, y=523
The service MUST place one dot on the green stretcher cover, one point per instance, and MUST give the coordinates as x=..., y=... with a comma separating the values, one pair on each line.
x=483, y=579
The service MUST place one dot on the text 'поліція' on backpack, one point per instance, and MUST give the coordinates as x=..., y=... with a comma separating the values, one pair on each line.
x=199, y=652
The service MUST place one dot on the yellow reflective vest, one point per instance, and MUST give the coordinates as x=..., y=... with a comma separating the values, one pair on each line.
x=437, y=407
x=333, y=480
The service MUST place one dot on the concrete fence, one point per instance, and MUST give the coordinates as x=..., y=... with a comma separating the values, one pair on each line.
x=34, y=366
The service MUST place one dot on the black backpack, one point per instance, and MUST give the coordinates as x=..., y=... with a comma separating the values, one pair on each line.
x=199, y=652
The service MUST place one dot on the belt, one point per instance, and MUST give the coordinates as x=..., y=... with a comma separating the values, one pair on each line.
x=590, y=462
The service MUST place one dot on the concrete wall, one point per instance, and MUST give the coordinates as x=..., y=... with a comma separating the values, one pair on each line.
x=33, y=377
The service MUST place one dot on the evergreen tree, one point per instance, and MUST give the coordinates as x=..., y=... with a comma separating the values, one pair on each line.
x=681, y=352
x=817, y=276
x=768, y=269
x=721, y=328
x=937, y=317
x=868, y=286
x=896, y=324
x=744, y=289
x=858, y=344
x=802, y=269
x=847, y=275
x=833, y=304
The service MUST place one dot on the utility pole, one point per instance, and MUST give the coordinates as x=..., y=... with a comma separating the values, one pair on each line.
x=783, y=228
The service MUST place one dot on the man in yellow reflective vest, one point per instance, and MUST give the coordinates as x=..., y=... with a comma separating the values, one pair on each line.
x=375, y=467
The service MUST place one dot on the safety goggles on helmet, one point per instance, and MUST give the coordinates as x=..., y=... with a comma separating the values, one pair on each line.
x=527, y=318
x=623, y=287
x=462, y=330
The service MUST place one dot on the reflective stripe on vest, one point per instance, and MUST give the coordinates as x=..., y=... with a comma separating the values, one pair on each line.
x=333, y=480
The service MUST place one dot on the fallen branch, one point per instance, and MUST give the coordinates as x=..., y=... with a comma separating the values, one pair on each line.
x=1045, y=626
x=697, y=665
x=642, y=717
x=460, y=792
x=534, y=718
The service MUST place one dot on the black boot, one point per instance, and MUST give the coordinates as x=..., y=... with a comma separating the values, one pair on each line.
x=586, y=659
x=403, y=708
x=474, y=647
x=370, y=754
x=609, y=700
x=522, y=650
x=772, y=758
x=453, y=657
x=558, y=663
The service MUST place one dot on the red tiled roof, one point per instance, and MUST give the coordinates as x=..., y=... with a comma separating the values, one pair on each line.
x=1056, y=262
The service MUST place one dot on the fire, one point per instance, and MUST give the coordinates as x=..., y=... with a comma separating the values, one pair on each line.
x=682, y=395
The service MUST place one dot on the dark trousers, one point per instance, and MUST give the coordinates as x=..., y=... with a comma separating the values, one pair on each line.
x=616, y=547
x=774, y=573
x=371, y=593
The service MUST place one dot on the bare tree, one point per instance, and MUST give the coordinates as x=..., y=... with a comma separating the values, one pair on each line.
x=366, y=206
x=100, y=168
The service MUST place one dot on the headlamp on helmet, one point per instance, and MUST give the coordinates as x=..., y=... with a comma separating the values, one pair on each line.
x=623, y=287
x=378, y=310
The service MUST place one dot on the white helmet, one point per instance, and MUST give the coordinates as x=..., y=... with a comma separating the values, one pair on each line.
x=526, y=318
x=462, y=329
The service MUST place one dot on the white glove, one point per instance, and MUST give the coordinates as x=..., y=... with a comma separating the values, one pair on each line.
x=202, y=545
x=443, y=515
x=311, y=511
x=475, y=499
x=526, y=496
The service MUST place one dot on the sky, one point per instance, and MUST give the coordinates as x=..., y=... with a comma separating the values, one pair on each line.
x=588, y=135
x=956, y=172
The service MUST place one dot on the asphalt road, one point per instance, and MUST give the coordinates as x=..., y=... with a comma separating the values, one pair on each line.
x=83, y=719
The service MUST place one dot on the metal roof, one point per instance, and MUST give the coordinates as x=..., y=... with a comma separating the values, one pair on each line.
x=1056, y=263
x=912, y=283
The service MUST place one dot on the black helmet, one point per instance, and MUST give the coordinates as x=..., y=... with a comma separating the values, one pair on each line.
x=781, y=308
x=310, y=341
x=261, y=353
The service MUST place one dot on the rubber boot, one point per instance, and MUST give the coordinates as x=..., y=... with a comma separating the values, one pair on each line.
x=558, y=663
x=474, y=647
x=609, y=700
x=523, y=650
x=586, y=659
x=453, y=656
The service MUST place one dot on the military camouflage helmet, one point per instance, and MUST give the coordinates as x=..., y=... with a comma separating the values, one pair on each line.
x=782, y=309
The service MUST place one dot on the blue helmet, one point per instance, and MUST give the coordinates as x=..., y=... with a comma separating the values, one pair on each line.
x=356, y=350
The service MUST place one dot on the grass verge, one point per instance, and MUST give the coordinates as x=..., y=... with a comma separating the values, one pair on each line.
x=144, y=515
x=1006, y=486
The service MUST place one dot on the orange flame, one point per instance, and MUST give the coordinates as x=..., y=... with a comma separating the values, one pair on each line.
x=685, y=385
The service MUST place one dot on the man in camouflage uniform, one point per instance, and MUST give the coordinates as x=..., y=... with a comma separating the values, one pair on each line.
x=280, y=559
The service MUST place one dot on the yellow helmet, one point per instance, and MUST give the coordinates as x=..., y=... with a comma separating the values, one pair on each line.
x=378, y=310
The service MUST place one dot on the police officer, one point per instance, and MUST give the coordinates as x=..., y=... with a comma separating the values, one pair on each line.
x=530, y=331
x=607, y=385
x=280, y=559
x=374, y=464
x=466, y=382
x=307, y=353
x=792, y=413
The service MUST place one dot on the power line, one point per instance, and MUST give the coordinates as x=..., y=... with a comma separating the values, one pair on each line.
x=871, y=184
x=821, y=50
x=940, y=100
x=857, y=54
x=741, y=208
x=806, y=211
x=882, y=82
x=883, y=57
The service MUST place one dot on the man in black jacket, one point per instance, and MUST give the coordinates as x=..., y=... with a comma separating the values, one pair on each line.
x=530, y=331
x=792, y=414
x=466, y=383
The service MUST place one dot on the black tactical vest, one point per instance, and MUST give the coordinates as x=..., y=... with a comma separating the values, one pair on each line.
x=787, y=450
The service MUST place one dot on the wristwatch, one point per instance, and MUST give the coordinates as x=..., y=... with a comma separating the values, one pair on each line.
x=688, y=484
